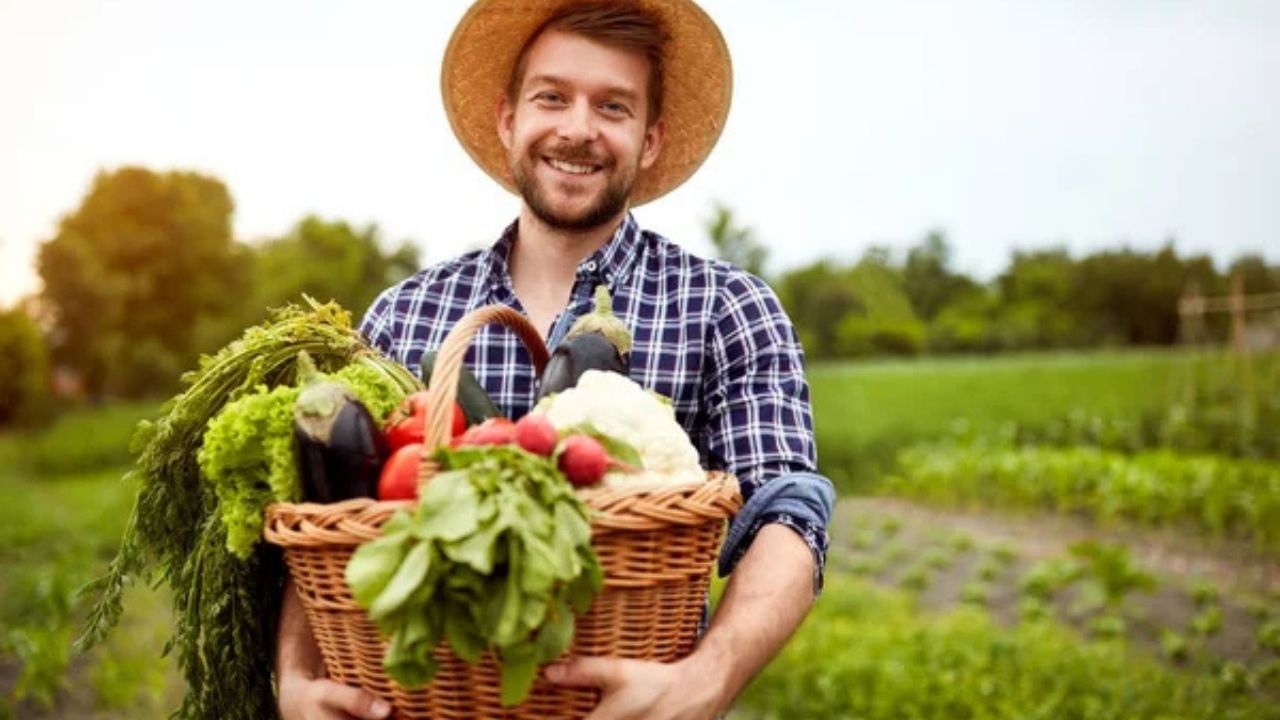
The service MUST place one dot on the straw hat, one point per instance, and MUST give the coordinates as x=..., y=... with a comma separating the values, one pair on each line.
x=697, y=76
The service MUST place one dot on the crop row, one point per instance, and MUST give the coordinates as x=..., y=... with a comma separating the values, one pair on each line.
x=868, y=653
x=1224, y=497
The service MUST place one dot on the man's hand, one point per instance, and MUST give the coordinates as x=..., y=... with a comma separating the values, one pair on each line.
x=765, y=600
x=303, y=692
x=634, y=689
x=304, y=698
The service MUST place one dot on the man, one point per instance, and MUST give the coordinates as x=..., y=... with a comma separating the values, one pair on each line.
x=599, y=107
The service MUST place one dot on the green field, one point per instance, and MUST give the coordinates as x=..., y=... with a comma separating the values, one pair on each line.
x=872, y=648
x=864, y=413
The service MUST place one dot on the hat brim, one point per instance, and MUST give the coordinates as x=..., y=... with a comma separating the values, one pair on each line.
x=698, y=80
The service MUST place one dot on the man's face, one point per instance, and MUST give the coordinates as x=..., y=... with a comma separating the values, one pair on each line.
x=576, y=133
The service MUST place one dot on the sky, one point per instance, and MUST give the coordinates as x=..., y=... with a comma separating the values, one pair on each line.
x=1005, y=123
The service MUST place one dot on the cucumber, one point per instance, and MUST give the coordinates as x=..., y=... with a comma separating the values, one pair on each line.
x=472, y=398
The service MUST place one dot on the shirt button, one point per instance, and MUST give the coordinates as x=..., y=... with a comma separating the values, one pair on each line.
x=590, y=266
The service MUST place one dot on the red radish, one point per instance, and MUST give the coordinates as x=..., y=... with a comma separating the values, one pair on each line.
x=583, y=459
x=399, y=478
x=494, y=431
x=536, y=434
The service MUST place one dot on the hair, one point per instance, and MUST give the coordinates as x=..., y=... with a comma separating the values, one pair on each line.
x=616, y=24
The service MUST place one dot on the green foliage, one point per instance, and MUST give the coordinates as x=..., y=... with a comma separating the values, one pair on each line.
x=851, y=311
x=225, y=608
x=1111, y=569
x=496, y=557
x=81, y=440
x=866, y=653
x=1268, y=636
x=1207, y=622
x=52, y=535
x=326, y=260
x=1220, y=496
x=1043, y=580
x=134, y=272
x=938, y=558
x=1044, y=299
x=1204, y=593
x=975, y=593
x=928, y=279
x=865, y=413
x=248, y=457
x=1174, y=646
x=916, y=578
x=735, y=244
x=1212, y=409
x=24, y=382
x=989, y=570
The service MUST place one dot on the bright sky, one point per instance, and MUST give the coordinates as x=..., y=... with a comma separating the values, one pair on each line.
x=1005, y=122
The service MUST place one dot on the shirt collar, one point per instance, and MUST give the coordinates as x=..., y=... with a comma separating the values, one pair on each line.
x=612, y=262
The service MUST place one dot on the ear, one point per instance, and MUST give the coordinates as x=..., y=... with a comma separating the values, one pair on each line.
x=506, y=116
x=652, y=144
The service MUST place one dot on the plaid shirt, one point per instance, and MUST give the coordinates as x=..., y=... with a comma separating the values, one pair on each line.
x=709, y=336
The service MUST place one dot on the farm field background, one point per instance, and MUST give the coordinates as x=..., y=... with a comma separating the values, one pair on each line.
x=864, y=413
x=937, y=604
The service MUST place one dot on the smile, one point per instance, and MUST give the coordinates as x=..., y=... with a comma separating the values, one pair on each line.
x=571, y=168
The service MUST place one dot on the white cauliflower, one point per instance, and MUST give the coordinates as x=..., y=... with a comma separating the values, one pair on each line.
x=621, y=409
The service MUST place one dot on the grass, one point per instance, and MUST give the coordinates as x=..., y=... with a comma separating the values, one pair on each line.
x=57, y=531
x=867, y=653
x=81, y=441
x=865, y=412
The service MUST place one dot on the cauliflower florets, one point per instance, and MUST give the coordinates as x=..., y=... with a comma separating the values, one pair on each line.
x=621, y=409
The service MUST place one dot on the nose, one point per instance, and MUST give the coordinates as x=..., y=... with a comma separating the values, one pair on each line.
x=578, y=123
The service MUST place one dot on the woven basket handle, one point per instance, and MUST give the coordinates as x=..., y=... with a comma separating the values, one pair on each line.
x=443, y=388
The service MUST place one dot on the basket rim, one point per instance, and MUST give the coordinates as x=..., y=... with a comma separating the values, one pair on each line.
x=612, y=510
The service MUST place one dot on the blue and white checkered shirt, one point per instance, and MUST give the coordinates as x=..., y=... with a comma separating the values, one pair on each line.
x=708, y=335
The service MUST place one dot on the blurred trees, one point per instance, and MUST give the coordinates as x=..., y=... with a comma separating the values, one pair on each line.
x=24, y=380
x=1044, y=299
x=144, y=276
x=328, y=260
x=734, y=243
x=133, y=271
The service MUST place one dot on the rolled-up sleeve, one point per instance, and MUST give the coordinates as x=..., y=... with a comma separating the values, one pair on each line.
x=759, y=422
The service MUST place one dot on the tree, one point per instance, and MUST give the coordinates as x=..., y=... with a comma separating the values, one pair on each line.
x=736, y=244
x=927, y=277
x=134, y=272
x=1036, y=294
x=328, y=261
x=24, y=382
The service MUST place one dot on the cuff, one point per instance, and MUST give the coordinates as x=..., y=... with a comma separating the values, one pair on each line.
x=800, y=501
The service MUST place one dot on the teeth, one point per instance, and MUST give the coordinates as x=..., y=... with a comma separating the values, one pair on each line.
x=571, y=168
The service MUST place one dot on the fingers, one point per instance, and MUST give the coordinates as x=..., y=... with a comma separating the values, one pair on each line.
x=355, y=702
x=595, y=672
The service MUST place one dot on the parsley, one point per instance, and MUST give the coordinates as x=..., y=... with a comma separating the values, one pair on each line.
x=225, y=607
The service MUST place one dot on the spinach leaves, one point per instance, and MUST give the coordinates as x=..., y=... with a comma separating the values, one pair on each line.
x=496, y=557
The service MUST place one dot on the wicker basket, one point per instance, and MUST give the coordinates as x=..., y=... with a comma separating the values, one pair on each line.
x=657, y=548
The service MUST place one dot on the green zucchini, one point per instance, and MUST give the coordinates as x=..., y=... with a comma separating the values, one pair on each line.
x=474, y=401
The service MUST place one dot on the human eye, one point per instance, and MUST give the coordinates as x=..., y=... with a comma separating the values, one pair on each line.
x=613, y=107
x=548, y=97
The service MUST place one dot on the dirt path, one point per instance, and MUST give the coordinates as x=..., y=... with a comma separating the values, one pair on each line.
x=947, y=557
x=1231, y=565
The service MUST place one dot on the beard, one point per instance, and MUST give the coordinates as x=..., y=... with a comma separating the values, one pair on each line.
x=607, y=204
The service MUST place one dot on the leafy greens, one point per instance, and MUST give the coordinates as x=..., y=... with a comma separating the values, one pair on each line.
x=496, y=557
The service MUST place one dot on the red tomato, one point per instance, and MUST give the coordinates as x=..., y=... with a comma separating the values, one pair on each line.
x=408, y=422
x=399, y=478
x=459, y=421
